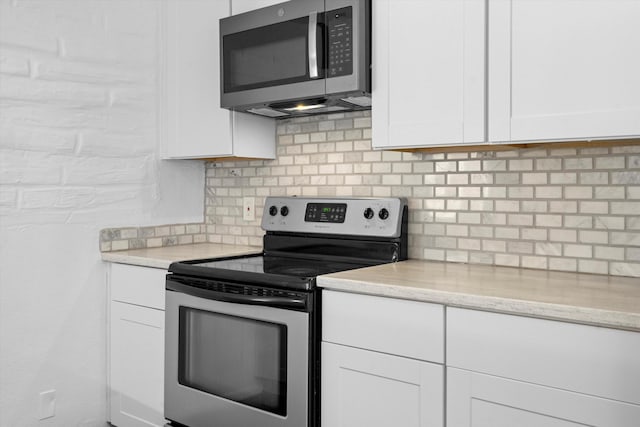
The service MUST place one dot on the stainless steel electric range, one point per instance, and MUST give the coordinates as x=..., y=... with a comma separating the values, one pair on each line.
x=243, y=332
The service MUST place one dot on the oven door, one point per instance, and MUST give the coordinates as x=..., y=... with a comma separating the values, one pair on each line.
x=235, y=365
x=271, y=54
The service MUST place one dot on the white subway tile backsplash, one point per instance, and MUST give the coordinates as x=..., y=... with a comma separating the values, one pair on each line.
x=458, y=179
x=469, y=192
x=593, y=207
x=563, y=235
x=609, y=253
x=548, y=249
x=578, y=251
x=548, y=164
x=521, y=247
x=537, y=262
x=563, y=264
x=481, y=231
x=507, y=260
x=534, y=233
x=507, y=233
x=507, y=206
x=590, y=236
x=625, y=238
x=625, y=208
x=494, y=165
x=610, y=162
x=592, y=266
x=628, y=177
x=469, y=166
x=548, y=192
x=534, y=206
x=548, y=220
x=598, y=178
x=520, y=192
x=563, y=206
x=580, y=163
x=632, y=254
x=625, y=269
x=534, y=178
x=521, y=165
x=446, y=167
x=494, y=192
x=561, y=209
x=482, y=178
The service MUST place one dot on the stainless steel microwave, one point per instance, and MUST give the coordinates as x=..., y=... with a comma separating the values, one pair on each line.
x=297, y=58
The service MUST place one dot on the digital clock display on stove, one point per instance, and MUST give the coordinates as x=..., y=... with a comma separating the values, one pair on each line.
x=325, y=212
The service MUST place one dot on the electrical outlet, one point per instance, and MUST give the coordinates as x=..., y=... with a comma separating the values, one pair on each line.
x=249, y=208
x=47, y=404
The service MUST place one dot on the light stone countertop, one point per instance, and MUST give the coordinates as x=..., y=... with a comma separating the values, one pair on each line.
x=608, y=301
x=163, y=257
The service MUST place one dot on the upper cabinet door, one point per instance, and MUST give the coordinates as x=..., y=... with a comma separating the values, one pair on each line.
x=195, y=126
x=241, y=6
x=195, y=122
x=428, y=65
x=563, y=69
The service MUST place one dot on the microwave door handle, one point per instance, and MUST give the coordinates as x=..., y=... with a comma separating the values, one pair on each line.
x=313, y=45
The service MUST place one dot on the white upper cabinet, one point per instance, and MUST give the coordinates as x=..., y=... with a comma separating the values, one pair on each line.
x=241, y=6
x=194, y=124
x=428, y=65
x=563, y=69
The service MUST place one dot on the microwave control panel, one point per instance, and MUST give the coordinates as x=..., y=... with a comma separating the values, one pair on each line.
x=340, y=51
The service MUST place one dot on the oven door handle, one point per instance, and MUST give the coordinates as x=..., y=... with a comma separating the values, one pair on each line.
x=295, y=303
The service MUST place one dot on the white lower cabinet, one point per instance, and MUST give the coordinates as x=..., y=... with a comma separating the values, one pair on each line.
x=382, y=362
x=136, y=346
x=366, y=388
x=480, y=400
x=507, y=371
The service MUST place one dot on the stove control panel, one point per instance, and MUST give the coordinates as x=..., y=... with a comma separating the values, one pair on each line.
x=381, y=217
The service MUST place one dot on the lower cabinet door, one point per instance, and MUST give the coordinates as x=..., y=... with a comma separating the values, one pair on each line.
x=481, y=400
x=137, y=366
x=366, y=388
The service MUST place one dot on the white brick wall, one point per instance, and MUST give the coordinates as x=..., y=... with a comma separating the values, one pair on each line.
x=570, y=209
x=78, y=152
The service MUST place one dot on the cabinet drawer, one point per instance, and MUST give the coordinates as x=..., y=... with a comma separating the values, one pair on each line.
x=366, y=388
x=405, y=328
x=598, y=361
x=143, y=286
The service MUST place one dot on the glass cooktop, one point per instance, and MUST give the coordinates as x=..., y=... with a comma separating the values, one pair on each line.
x=287, y=266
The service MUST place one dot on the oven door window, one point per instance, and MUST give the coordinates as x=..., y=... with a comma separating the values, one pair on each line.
x=272, y=55
x=236, y=358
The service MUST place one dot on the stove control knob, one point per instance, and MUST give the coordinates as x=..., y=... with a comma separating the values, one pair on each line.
x=273, y=211
x=368, y=213
x=284, y=211
x=383, y=214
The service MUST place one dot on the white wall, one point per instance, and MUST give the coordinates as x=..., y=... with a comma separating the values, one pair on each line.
x=79, y=151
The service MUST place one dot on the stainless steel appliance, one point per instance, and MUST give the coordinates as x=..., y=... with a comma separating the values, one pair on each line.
x=243, y=332
x=298, y=57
